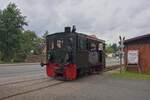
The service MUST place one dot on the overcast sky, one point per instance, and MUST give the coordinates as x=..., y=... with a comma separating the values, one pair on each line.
x=107, y=19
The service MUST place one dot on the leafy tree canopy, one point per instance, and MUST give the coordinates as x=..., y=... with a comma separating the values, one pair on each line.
x=45, y=34
x=111, y=48
x=11, y=26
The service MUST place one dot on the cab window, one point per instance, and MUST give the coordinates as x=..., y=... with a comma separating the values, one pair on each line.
x=59, y=43
x=70, y=42
x=51, y=44
x=93, y=46
x=100, y=46
x=82, y=44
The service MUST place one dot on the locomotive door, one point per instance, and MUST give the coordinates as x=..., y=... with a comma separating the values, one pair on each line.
x=63, y=47
x=82, y=52
x=100, y=49
x=93, y=52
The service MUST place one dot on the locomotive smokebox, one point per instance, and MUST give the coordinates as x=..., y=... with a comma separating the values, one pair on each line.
x=67, y=29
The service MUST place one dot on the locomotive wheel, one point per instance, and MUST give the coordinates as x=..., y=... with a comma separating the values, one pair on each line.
x=89, y=72
x=80, y=73
x=98, y=71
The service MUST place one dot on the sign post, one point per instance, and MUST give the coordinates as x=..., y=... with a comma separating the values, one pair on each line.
x=133, y=58
x=121, y=46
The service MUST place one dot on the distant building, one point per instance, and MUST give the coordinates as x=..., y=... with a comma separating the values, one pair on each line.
x=137, y=53
x=109, y=55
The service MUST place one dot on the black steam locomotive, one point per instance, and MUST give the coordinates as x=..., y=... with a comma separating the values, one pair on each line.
x=70, y=54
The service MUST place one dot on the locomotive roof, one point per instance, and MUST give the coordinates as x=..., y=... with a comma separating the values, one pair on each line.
x=79, y=34
x=91, y=37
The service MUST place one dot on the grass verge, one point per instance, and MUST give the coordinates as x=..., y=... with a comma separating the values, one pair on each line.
x=131, y=75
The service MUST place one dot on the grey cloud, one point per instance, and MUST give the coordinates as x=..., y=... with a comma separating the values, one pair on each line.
x=107, y=18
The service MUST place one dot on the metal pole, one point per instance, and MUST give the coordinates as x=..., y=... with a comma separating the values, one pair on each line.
x=120, y=62
x=121, y=51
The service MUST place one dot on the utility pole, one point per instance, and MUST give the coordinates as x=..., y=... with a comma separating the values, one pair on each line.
x=121, y=46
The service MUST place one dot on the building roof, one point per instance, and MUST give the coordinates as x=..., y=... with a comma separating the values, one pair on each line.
x=142, y=37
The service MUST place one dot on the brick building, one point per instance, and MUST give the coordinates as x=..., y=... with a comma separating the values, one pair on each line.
x=138, y=49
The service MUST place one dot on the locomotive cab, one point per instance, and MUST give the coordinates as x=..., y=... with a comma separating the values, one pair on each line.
x=70, y=54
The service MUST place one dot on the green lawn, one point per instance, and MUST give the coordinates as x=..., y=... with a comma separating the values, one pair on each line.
x=132, y=75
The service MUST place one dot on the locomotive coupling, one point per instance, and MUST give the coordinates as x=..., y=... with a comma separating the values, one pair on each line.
x=42, y=64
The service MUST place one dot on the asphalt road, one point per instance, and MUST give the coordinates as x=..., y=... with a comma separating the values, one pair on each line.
x=29, y=82
x=12, y=71
x=94, y=87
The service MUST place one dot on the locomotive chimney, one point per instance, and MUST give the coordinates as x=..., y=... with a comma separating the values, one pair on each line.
x=73, y=29
x=67, y=29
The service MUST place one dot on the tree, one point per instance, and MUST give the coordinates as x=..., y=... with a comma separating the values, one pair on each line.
x=1, y=31
x=45, y=34
x=11, y=26
x=115, y=47
x=30, y=44
x=111, y=48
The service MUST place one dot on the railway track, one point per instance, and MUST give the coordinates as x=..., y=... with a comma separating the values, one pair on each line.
x=39, y=85
x=22, y=81
x=51, y=84
x=109, y=68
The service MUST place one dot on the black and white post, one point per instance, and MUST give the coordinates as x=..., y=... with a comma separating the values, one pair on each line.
x=121, y=53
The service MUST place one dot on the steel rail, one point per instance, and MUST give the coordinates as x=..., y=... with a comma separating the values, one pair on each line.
x=22, y=81
x=32, y=90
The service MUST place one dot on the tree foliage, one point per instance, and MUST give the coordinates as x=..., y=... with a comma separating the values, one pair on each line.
x=45, y=34
x=30, y=44
x=15, y=42
x=11, y=26
x=115, y=47
x=111, y=48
